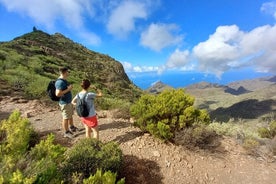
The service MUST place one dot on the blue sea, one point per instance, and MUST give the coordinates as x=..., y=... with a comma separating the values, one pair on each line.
x=182, y=79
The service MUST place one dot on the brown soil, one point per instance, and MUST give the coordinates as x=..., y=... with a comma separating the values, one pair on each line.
x=148, y=160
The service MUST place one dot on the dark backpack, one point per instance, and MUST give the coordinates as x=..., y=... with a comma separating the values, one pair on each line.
x=81, y=106
x=51, y=90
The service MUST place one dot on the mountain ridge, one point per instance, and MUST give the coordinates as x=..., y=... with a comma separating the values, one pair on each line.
x=236, y=88
x=39, y=55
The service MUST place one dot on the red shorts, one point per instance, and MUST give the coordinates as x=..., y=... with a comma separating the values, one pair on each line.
x=90, y=121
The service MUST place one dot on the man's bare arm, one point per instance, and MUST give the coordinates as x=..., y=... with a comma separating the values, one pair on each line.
x=60, y=93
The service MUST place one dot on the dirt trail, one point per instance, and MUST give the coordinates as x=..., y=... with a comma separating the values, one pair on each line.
x=148, y=160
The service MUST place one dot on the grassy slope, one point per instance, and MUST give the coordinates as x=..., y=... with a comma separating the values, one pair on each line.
x=28, y=62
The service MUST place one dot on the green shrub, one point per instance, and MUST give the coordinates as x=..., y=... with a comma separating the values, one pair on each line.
x=164, y=114
x=44, y=159
x=36, y=87
x=106, y=103
x=272, y=128
x=22, y=160
x=18, y=178
x=103, y=178
x=15, y=137
x=251, y=144
x=264, y=132
x=88, y=155
x=228, y=129
x=237, y=130
x=17, y=131
x=269, y=132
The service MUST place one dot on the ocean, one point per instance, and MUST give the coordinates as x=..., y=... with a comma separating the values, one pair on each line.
x=182, y=79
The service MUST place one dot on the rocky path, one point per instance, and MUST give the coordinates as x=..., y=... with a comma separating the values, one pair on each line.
x=148, y=160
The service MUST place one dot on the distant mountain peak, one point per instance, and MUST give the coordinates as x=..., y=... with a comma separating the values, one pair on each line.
x=203, y=85
x=158, y=87
x=158, y=83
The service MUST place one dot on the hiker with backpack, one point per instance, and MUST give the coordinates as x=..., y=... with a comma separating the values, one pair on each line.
x=63, y=91
x=84, y=97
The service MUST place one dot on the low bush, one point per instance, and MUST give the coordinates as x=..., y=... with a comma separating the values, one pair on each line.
x=238, y=130
x=26, y=160
x=268, y=132
x=251, y=145
x=15, y=138
x=264, y=132
x=44, y=160
x=272, y=128
x=103, y=178
x=107, y=103
x=23, y=158
x=88, y=155
x=200, y=136
x=164, y=114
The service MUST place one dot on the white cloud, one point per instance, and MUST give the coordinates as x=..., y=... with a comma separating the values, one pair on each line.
x=222, y=45
x=178, y=59
x=49, y=12
x=90, y=38
x=269, y=8
x=122, y=19
x=139, y=69
x=158, y=36
x=230, y=48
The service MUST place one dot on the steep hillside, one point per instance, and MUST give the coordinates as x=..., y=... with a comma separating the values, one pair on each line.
x=31, y=60
x=247, y=99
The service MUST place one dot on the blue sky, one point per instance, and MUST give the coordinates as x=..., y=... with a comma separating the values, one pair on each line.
x=158, y=37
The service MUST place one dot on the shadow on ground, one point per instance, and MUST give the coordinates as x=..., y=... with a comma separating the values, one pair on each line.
x=136, y=170
x=128, y=136
x=248, y=109
x=59, y=139
x=114, y=125
x=4, y=115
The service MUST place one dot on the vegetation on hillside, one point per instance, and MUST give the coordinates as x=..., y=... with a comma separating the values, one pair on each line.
x=29, y=62
x=268, y=132
x=26, y=159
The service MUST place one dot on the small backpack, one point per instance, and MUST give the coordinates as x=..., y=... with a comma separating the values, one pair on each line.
x=51, y=91
x=81, y=106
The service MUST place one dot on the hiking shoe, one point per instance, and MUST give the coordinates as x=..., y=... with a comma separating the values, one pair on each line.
x=73, y=128
x=68, y=134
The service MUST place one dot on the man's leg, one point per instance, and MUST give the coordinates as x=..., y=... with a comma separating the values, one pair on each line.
x=66, y=116
x=65, y=123
x=67, y=132
x=70, y=122
x=72, y=127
